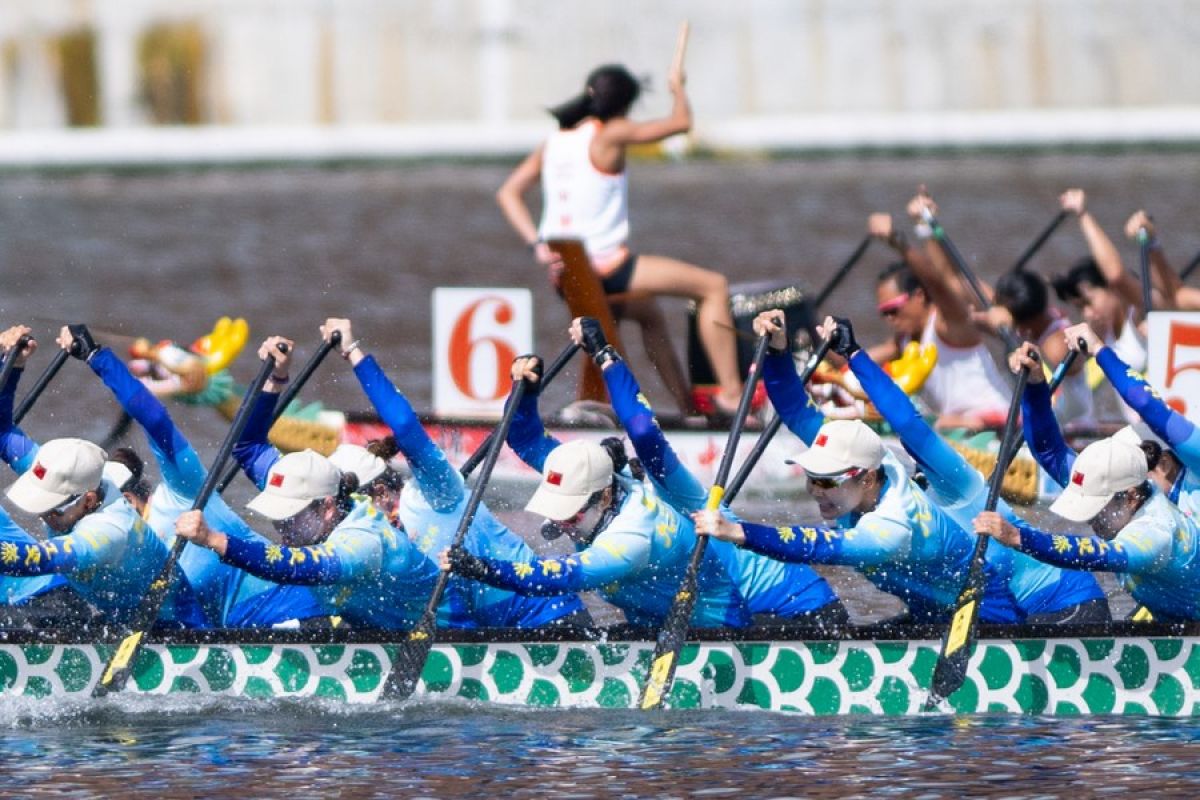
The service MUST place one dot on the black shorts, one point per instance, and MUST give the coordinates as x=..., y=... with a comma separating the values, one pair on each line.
x=620, y=278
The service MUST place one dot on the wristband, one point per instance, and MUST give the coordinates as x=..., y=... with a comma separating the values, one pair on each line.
x=350, y=348
x=605, y=355
x=923, y=231
x=280, y=381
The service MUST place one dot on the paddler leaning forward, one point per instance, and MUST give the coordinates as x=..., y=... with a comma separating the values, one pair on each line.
x=631, y=545
x=332, y=537
x=884, y=524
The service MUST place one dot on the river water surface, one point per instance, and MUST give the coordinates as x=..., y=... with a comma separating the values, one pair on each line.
x=163, y=254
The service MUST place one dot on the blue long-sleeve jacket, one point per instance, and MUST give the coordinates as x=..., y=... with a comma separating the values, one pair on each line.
x=639, y=559
x=432, y=506
x=109, y=557
x=365, y=570
x=1176, y=430
x=959, y=490
x=907, y=545
x=230, y=597
x=769, y=586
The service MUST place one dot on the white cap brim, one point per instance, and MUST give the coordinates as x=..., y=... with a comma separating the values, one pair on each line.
x=550, y=503
x=274, y=507
x=1076, y=506
x=818, y=462
x=33, y=499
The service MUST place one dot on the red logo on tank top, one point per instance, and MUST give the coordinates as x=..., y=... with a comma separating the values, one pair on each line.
x=277, y=479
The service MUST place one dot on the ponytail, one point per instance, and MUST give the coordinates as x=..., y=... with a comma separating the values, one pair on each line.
x=615, y=447
x=610, y=91
x=1153, y=452
x=347, y=486
x=572, y=112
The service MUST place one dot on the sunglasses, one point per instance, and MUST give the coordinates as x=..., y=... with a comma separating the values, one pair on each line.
x=62, y=507
x=834, y=481
x=892, y=307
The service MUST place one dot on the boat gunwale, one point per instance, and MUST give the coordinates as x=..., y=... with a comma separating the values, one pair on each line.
x=775, y=633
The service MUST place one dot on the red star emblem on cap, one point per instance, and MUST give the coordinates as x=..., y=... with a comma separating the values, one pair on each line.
x=821, y=440
x=1077, y=478
x=277, y=479
x=554, y=478
x=39, y=471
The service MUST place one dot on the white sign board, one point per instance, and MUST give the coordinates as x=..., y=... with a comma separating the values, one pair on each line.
x=1174, y=365
x=476, y=335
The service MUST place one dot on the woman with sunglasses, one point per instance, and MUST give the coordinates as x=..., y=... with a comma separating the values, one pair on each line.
x=880, y=521
x=631, y=545
x=230, y=597
x=918, y=298
x=771, y=588
x=94, y=538
x=332, y=538
x=430, y=506
x=1044, y=593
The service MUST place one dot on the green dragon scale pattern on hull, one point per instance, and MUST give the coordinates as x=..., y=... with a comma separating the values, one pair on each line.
x=1040, y=676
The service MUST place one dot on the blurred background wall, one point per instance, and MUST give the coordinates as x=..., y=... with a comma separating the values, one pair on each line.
x=471, y=74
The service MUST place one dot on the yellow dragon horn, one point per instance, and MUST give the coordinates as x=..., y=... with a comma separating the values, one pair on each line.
x=226, y=341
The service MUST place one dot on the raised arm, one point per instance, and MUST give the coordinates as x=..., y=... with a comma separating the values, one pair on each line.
x=1038, y=422
x=253, y=451
x=439, y=482
x=788, y=395
x=527, y=436
x=16, y=449
x=1103, y=251
x=940, y=278
x=1162, y=275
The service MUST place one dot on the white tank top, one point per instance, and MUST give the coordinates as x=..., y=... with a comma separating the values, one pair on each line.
x=580, y=201
x=965, y=380
x=1073, y=401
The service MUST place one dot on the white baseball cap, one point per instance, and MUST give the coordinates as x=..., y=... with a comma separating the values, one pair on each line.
x=63, y=468
x=295, y=481
x=1101, y=470
x=842, y=445
x=573, y=472
x=1137, y=433
x=359, y=460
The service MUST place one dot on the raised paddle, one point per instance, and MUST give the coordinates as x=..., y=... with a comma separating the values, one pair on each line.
x=10, y=360
x=1190, y=268
x=556, y=366
x=764, y=438
x=1143, y=240
x=1056, y=378
x=411, y=653
x=939, y=233
x=951, y=668
x=844, y=270
x=1041, y=239
x=286, y=398
x=43, y=381
x=673, y=634
x=120, y=664
x=681, y=43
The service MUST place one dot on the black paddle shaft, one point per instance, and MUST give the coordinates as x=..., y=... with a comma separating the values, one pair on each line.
x=556, y=366
x=673, y=634
x=120, y=665
x=960, y=263
x=951, y=668
x=289, y=395
x=1190, y=268
x=10, y=360
x=768, y=433
x=1041, y=239
x=411, y=654
x=40, y=385
x=836, y=279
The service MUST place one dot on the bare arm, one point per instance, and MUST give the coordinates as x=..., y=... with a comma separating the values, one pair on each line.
x=1163, y=278
x=954, y=313
x=1102, y=249
x=511, y=196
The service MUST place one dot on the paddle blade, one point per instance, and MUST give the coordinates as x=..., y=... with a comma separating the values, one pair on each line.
x=120, y=665
x=408, y=664
x=671, y=639
x=951, y=669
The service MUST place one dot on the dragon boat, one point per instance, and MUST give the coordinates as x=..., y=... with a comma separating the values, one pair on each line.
x=1123, y=668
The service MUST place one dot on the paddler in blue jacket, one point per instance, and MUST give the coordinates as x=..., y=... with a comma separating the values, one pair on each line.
x=1044, y=593
x=332, y=538
x=631, y=545
x=883, y=523
x=1151, y=545
x=793, y=592
x=230, y=597
x=430, y=506
x=94, y=538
